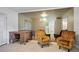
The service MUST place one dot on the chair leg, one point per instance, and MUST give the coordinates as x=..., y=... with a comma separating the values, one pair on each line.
x=38, y=43
x=59, y=47
x=41, y=46
x=24, y=43
x=68, y=50
x=48, y=44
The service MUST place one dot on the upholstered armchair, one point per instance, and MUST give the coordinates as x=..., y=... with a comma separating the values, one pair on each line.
x=42, y=38
x=66, y=40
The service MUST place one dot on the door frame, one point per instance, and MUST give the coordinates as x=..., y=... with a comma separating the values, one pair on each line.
x=3, y=14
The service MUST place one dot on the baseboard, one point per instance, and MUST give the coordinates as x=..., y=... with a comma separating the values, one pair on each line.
x=3, y=44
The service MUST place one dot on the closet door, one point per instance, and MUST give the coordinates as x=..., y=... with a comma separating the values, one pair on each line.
x=3, y=38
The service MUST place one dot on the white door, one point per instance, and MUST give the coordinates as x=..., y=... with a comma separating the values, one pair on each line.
x=3, y=39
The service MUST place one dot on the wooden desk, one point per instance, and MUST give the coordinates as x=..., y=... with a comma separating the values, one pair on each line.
x=21, y=35
x=25, y=36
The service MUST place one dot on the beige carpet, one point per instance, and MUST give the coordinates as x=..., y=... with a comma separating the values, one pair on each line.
x=31, y=46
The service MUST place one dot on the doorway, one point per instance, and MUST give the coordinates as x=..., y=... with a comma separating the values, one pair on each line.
x=3, y=29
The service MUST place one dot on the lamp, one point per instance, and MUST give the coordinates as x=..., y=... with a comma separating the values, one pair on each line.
x=43, y=17
x=44, y=14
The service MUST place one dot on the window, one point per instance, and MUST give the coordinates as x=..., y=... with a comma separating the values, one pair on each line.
x=64, y=23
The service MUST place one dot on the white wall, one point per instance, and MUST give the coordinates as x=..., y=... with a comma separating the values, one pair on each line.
x=12, y=20
x=76, y=25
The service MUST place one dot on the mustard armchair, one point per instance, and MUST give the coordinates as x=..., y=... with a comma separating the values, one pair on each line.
x=66, y=40
x=42, y=38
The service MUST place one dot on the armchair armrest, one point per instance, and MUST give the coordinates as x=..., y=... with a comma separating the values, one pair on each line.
x=56, y=35
x=59, y=38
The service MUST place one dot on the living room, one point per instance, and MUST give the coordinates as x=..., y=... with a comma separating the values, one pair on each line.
x=51, y=20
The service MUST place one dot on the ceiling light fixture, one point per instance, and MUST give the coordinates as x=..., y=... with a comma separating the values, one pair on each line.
x=44, y=14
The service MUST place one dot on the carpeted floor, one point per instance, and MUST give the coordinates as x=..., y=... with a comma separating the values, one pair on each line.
x=32, y=46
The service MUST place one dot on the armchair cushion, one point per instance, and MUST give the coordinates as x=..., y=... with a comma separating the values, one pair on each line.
x=45, y=38
x=64, y=42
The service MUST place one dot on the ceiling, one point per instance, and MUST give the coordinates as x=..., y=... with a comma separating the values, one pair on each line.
x=31, y=9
